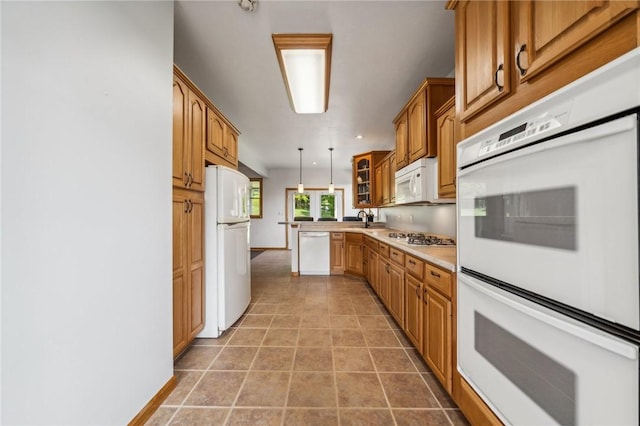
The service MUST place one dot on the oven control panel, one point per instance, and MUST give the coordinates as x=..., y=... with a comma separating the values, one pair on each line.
x=520, y=133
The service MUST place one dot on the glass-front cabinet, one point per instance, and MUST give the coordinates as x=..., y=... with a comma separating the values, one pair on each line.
x=364, y=182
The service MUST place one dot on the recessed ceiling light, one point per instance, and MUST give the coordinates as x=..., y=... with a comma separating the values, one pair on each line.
x=314, y=163
x=359, y=137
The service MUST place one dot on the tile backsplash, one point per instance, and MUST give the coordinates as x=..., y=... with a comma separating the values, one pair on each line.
x=437, y=219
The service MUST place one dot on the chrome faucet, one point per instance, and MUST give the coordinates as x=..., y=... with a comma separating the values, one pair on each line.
x=365, y=218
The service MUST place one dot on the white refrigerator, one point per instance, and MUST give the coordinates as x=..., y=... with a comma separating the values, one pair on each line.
x=227, y=251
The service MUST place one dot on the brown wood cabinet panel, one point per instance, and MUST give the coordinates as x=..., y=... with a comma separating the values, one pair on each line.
x=231, y=146
x=548, y=31
x=384, y=280
x=216, y=129
x=437, y=336
x=439, y=279
x=180, y=117
x=196, y=264
x=384, y=250
x=397, y=256
x=386, y=195
x=445, y=124
x=414, y=266
x=372, y=270
x=413, y=310
x=337, y=253
x=474, y=408
x=417, y=110
x=379, y=182
x=180, y=318
x=392, y=178
x=353, y=253
x=188, y=267
x=483, y=62
x=402, y=153
x=196, y=132
x=396, y=292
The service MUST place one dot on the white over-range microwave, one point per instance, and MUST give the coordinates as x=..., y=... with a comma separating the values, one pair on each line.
x=418, y=183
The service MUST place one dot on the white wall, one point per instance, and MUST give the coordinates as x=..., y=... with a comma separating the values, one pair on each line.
x=86, y=209
x=437, y=219
x=266, y=232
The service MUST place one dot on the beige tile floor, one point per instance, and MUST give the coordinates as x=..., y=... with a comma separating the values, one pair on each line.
x=309, y=351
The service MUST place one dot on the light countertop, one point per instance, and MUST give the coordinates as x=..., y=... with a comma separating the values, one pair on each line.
x=443, y=256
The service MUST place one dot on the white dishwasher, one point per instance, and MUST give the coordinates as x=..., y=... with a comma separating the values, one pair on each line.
x=313, y=252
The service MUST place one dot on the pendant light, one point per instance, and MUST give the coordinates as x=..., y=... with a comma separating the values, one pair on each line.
x=300, y=185
x=331, y=187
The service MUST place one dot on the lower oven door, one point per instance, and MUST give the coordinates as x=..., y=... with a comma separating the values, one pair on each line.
x=534, y=366
x=560, y=219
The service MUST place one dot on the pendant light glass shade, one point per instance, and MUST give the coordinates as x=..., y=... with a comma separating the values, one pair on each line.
x=300, y=185
x=331, y=187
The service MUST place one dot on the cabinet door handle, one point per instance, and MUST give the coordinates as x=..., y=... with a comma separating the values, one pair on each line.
x=523, y=70
x=495, y=78
x=435, y=274
x=418, y=292
x=411, y=262
x=386, y=267
x=190, y=206
x=191, y=177
x=186, y=182
x=186, y=205
x=424, y=296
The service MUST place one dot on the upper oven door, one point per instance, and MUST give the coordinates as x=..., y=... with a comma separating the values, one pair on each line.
x=560, y=219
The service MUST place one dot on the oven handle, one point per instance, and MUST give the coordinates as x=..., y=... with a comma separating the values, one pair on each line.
x=620, y=125
x=607, y=343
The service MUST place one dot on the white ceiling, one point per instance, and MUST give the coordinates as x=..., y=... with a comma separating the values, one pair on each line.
x=382, y=51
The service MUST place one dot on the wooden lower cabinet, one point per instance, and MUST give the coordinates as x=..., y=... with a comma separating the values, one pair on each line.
x=437, y=335
x=188, y=267
x=372, y=266
x=473, y=407
x=396, y=293
x=413, y=310
x=353, y=253
x=337, y=253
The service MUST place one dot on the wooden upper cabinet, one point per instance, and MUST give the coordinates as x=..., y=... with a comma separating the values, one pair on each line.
x=189, y=132
x=417, y=121
x=547, y=31
x=386, y=179
x=402, y=154
x=180, y=95
x=379, y=183
x=483, y=60
x=367, y=179
x=196, y=138
x=417, y=145
x=392, y=177
x=445, y=123
x=231, y=146
x=216, y=129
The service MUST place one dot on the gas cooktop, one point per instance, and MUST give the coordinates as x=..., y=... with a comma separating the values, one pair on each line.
x=421, y=239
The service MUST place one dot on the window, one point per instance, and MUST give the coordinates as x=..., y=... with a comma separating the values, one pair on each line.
x=328, y=205
x=315, y=204
x=301, y=205
x=256, y=198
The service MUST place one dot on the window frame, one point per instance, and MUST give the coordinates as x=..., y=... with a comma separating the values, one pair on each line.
x=251, y=198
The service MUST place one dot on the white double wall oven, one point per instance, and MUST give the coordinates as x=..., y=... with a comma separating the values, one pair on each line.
x=548, y=282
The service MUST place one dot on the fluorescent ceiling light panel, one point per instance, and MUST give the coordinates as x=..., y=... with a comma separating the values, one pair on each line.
x=305, y=63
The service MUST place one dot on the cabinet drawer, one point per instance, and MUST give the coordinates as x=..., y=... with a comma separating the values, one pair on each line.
x=352, y=237
x=371, y=243
x=384, y=250
x=337, y=235
x=439, y=279
x=414, y=266
x=397, y=256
